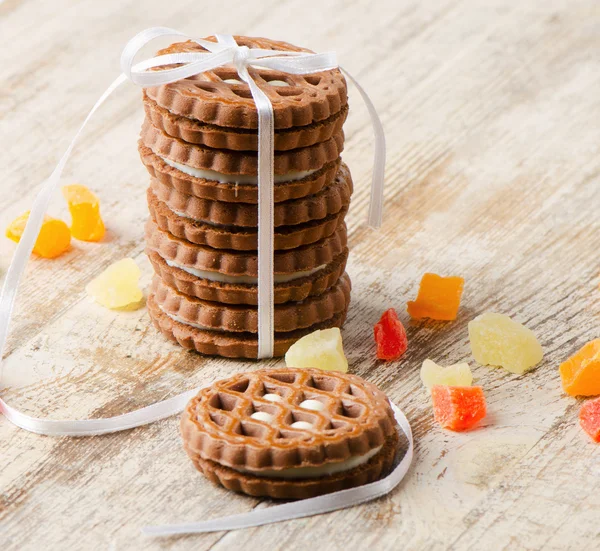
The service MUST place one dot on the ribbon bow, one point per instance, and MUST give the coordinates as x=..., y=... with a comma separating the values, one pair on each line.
x=226, y=51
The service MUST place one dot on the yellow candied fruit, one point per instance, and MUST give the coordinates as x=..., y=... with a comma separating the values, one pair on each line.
x=454, y=375
x=53, y=240
x=86, y=222
x=117, y=287
x=499, y=341
x=322, y=349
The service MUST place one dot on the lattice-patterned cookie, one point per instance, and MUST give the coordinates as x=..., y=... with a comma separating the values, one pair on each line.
x=290, y=433
x=216, y=98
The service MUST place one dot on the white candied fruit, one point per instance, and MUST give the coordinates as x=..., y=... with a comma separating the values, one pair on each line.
x=321, y=349
x=117, y=287
x=453, y=375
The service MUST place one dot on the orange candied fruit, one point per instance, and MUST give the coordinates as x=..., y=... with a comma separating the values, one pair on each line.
x=86, y=222
x=53, y=240
x=438, y=298
x=589, y=418
x=458, y=408
x=580, y=374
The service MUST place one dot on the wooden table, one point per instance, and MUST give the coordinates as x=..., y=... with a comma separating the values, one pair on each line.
x=492, y=114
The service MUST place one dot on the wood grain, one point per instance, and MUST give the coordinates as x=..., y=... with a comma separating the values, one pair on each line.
x=492, y=117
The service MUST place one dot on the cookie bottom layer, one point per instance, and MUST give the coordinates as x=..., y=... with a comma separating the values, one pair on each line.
x=377, y=467
x=227, y=344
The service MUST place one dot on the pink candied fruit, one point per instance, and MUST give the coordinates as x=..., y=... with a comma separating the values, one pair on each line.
x=390, y=336
x=589, y=418
x=458, y=408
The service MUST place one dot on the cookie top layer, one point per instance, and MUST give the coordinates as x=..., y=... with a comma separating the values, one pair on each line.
x=353, y=418
x=298, y=100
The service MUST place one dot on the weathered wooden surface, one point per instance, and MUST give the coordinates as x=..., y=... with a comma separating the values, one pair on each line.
x=492, y=115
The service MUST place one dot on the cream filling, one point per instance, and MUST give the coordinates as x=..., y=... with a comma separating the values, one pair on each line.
x=242, y=279
x=206, y=222
x=235, y=178
x=186, y=322
x=313, y=472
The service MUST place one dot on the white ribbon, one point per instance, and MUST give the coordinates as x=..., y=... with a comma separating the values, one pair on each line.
x=224, y=51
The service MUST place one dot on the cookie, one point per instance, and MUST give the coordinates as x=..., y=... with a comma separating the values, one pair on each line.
x=228, y=345
x=240, y=293
x=239, y=239
x=229, y=192
x=301, y=100
x=192, y=157
x=290, y=433
x=215, y=316
x=330, y=200
x=241, y=139
x=243, y=264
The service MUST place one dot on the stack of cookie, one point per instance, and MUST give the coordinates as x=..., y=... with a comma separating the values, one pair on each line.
x=199, y=143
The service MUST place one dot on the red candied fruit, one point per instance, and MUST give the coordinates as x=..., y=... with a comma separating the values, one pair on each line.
x=458, y=408
x=589, y=418
x=390, y=336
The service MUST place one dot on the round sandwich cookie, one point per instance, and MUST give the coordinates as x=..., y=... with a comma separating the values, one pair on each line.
x=330, y=200
x=226, y=343
x=215, y=316
x=219, y=98
x=220, y=236
x=191, y=157
x=216, y=287
x=218, y=186
x=290, y=433
x=209, y=263
x=242, y=139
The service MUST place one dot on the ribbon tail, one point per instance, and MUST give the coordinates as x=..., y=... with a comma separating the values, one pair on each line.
x=306, y=507
x=94, y=427
x=375, y=218
x=32, y=228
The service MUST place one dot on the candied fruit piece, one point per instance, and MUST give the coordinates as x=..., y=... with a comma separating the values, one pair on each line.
x=53, y=240
x=321, y=349
x=458, y=408
x=580, y=374
x=499, y=341
x=438, y=298
x=86, y=223
x=117, y=287
x=453, y=375
x=589, y=418
x=390, y=336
